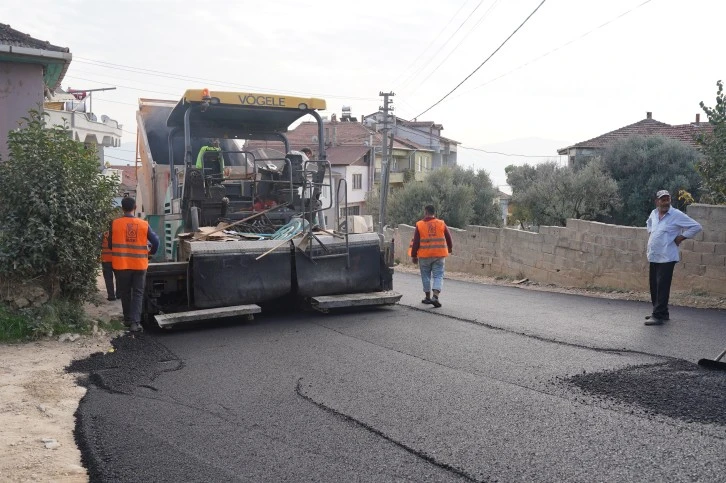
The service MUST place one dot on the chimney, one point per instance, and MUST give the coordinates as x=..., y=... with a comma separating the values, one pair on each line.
x=698, y=118
x=649, y=115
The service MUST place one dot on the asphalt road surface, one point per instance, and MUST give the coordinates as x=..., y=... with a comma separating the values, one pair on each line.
x=499, y=384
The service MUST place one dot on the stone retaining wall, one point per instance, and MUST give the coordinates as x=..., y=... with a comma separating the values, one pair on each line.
x=585, y=253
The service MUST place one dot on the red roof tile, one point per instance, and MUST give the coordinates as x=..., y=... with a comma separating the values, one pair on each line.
x=346, y=155
x=647, y=127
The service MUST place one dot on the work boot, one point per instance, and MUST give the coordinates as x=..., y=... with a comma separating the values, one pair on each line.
x=426, y=301
x=654, y=321
x=435, y=301
x=648, y=317
x=136, y=327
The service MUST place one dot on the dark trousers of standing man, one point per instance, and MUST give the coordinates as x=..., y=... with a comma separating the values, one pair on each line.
x=107, y=270
x=661, y=275
x=130, y=284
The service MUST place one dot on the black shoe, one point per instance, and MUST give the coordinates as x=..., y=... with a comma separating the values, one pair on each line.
x=435, y=301
x=111, y=299
x=654, y=321
x=426, y=301
x=648, y=317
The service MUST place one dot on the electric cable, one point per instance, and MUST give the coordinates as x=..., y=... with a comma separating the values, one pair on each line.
x=510, y=154
x=555, y=49
x=406, y=78
x=485, y=60
x=413, y=76
x=181, y=77
x=483, y=17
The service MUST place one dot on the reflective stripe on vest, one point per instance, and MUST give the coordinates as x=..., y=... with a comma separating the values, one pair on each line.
x=432, y=239
x=129, y=250
x=105, y=250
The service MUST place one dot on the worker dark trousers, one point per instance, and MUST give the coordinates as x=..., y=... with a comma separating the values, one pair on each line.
x=661, y=275
x=107, y=270
x=131, y=286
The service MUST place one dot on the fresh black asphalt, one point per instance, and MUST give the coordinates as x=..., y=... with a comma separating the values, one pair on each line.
x=499, y=384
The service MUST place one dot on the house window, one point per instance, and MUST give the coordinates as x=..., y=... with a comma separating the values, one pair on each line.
x=352, y=211
x=357, y=181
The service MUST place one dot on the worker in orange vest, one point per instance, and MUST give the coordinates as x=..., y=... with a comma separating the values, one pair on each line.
x=129, y=240
x=107, y=267
x=431, y=245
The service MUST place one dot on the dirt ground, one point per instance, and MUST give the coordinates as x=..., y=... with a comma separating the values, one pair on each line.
x=38, y=398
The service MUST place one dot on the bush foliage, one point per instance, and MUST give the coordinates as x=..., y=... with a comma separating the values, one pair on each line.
x=712, y=166
x=643, y=165
x=54, y=203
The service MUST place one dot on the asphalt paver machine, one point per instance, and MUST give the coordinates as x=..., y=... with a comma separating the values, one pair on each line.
x=243, y=231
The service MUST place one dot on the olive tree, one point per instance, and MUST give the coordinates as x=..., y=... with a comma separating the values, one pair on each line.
x=549, y=194
x=642, y=165
x=460, y=196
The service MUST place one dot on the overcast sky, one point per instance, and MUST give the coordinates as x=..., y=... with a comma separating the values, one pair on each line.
x=576, y=69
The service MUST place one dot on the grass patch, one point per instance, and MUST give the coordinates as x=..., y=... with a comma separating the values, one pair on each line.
x=699, y=293
x=13, y=326
x=53, y=318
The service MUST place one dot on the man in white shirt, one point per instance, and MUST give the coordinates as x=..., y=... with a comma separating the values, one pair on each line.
x=667, y=228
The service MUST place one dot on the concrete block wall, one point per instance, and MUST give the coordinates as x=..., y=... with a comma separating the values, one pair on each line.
x=585, y=253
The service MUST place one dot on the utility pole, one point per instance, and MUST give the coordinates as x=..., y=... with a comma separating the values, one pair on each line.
x=385, y=161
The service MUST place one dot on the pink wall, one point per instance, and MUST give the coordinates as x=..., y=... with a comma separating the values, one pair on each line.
x=21, y=89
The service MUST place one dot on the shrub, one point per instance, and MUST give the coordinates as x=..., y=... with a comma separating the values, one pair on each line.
x=54, y=204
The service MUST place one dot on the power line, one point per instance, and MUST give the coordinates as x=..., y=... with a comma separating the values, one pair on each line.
x=483, y=17
x=115, y=150
x=557, y=48
x=157, y=73
x=485, y=61
x=429, y=45
x=125, y=87
x=423, y=66
x=119, y=159
x=510, y=154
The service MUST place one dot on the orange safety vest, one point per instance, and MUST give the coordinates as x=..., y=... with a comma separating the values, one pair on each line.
x=105, y=250
x=129, y=238
x=432, y=239
x=410, y=247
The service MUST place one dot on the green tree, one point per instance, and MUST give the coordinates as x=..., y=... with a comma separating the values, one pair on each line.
x=548, y=194
x=486, y=211
x=461, y=197
x=643, y=165
x=712, y=166
x=54, y=204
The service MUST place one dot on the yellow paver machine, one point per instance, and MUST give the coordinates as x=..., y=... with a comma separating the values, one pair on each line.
x=244, y=230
